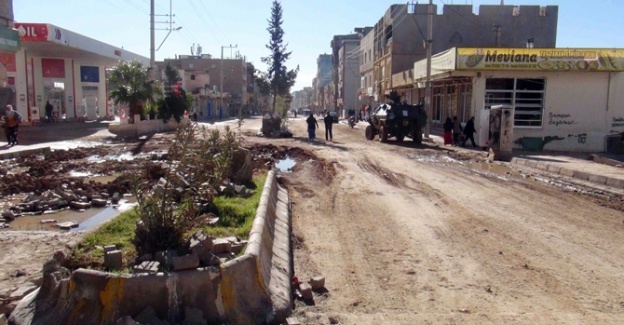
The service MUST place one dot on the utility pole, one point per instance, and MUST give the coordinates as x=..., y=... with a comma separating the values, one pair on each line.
x=152, y=42
x=428, y=82
x=221, y=86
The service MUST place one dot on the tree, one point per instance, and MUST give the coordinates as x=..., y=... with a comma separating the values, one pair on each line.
x=176, y=100
x=130, y=84
x=278, y=76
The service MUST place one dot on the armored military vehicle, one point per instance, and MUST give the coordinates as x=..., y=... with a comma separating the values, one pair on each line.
x=396, y=119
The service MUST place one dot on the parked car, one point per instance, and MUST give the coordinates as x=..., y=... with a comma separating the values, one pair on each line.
x=334, y=115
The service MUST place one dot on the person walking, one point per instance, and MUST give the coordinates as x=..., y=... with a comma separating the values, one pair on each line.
x=312, y=126
x=48, y=109
x=12, y=120
x=457, y=130
x=329, y=122
x=448, y=131
x=469, y=132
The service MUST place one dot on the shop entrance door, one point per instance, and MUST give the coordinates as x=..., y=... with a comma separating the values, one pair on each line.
x=90, y=102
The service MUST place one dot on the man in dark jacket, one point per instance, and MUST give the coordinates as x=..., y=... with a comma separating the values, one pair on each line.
x=469, y=132
x=329, y=122
x=312, y=126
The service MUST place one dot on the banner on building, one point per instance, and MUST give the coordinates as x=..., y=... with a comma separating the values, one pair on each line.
x=555, y=59
x=53, y=68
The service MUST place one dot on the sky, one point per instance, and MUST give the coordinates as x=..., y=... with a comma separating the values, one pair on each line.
x=309, y=25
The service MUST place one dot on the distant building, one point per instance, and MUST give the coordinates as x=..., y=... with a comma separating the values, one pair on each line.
x=346, y=76
x=201, y=76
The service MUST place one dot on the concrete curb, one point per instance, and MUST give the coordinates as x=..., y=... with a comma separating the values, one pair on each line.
x=20, y=153
x=579, y=174
x=254, y=288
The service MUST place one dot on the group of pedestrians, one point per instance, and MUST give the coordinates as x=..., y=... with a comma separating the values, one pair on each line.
x=453, y=132
x=313, y=125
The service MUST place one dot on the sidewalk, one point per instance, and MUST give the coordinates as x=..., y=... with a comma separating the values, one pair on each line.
x=44, y=137
x=582, y=166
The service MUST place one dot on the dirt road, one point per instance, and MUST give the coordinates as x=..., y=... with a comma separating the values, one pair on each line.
x=408, y=235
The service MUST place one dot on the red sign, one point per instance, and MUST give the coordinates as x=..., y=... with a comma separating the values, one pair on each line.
x=53, y=68
x=32, y=32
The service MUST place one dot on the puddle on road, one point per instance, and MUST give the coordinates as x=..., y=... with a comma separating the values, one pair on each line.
x=66, y=145
x=285, y=165
x=87, y=219
x=492, y=168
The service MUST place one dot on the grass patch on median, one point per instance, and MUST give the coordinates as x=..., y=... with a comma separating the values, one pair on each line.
x=236, y=218
x=236, y=213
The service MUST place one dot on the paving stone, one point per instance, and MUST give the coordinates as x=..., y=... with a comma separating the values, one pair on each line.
x=317, y=282
x=220, y=246
x=554, y=169
x=200, y=243
x=306, y=291
x=113, y=260
x=615, y=182
x=150, y=267
x=186, y=262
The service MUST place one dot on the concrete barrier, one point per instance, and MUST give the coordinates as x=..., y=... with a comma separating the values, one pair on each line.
x=254, y=288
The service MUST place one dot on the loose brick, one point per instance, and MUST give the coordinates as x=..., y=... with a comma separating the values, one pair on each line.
x=112, y=260
x=317, y=282
x=220, y=246
x=186, y=262
x=306, y=291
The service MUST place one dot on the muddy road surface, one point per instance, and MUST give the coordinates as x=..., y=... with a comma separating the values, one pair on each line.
x=410, y=234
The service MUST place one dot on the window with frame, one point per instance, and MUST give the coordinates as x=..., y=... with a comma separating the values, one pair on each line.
x=526, y=95
x=437, y=99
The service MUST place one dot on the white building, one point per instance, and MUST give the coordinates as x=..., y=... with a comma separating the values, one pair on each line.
x=564, y=99
x=64, y=67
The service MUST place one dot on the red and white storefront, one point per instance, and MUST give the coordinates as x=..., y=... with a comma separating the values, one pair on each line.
x=63, y=67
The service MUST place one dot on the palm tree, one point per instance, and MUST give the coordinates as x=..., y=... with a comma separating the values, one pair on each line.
x=130, y=84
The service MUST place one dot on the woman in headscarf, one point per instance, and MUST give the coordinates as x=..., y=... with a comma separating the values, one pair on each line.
x=448, y=129
x=12, y=120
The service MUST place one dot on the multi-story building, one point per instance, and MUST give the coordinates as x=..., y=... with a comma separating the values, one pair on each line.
x=399, y=37
x=323, y=78
x=367, y=78
x=203, y=77
x=345, y=70
x=9, y=44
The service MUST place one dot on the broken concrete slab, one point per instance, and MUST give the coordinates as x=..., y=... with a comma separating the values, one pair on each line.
x=186, y=262
x=150, y=267
x=220, y=246
x=292, y=321
x=208, y=259
x=306, y=291
x=237, y=247
x=48, y=221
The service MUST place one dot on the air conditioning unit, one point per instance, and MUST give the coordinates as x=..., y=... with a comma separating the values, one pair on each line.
x=516, y=11
x=542, y=11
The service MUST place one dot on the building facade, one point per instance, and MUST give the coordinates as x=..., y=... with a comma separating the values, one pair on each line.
x=399, y=36
x=323, y=78
x=203, y=76
x=563, y=99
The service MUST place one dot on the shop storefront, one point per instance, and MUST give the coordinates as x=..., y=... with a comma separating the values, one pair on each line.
x=564, y=99
x=64, y=68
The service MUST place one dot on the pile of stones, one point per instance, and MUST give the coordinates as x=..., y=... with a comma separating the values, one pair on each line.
x=199, y=251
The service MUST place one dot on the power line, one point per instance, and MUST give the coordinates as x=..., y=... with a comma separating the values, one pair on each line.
x=201, y=18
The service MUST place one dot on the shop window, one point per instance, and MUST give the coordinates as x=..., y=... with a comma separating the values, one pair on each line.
x=526, y=95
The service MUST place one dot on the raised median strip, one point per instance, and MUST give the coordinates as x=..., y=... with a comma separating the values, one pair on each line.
x=254, y=288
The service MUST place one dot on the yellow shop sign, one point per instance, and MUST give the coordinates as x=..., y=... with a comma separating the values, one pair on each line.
x=540, y=59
